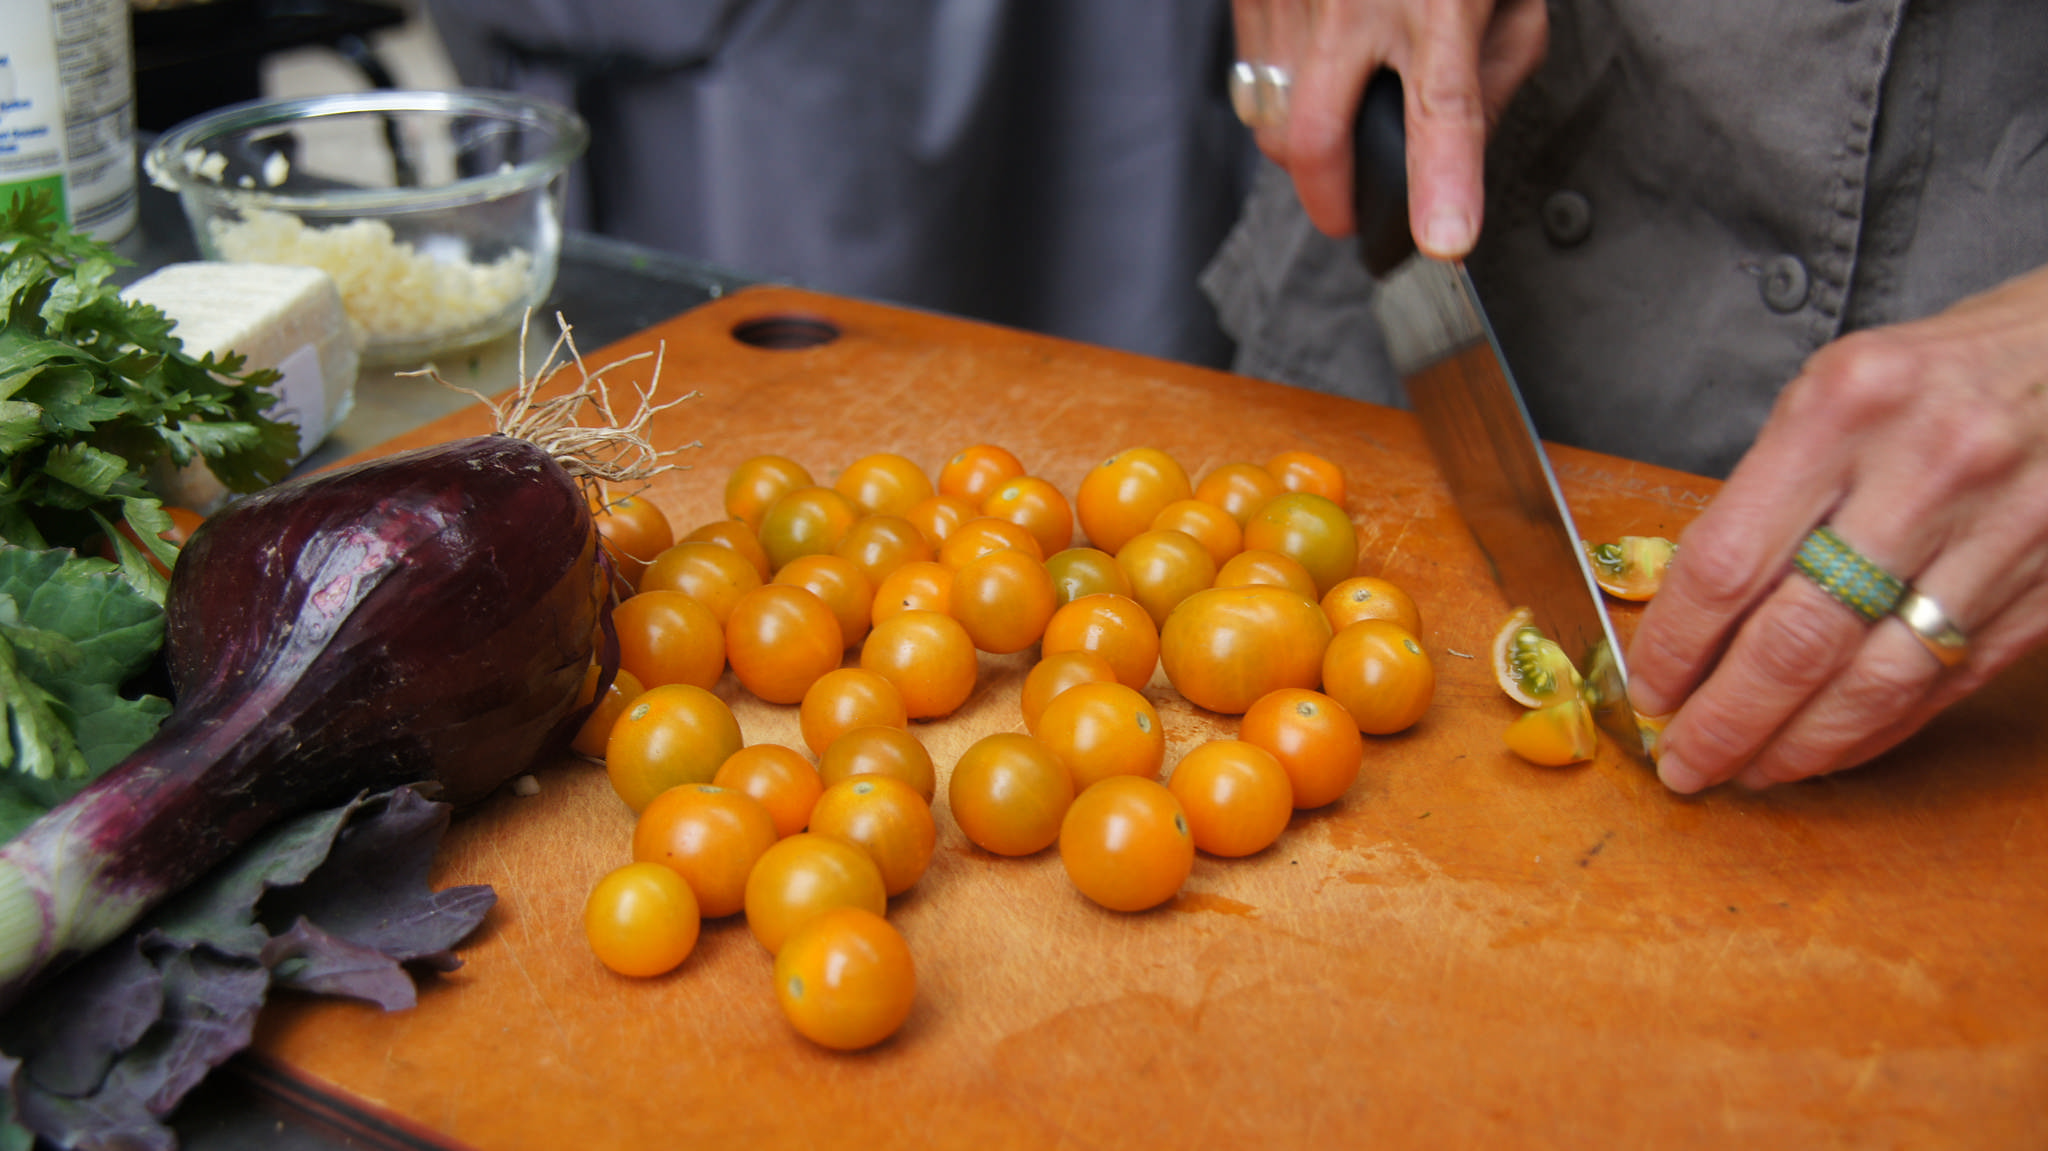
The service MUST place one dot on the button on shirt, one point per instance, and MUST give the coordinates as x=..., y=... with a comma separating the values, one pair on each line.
x=1688, y=200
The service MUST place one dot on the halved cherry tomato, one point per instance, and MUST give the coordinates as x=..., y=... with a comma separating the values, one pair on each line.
x=1632, y=569
x=1261, y=568
x=880, y=750
x=1077, y=572
x=1008, y=792
x=1225, y=647
x=1239, y=489
x=712, y=574
x=1125, y=843
x=1370, y=597
x=1380, y=674
x=1115, y=627
x=1119, y=496
x=755, y=485
x=708, y=835
x=1004, y=600
x=1236, y=796
x=779, y=778
x=780, y=640
x=879, y=545
x=1310, y=528
x=807, y=521
x=884, y=484
x=846, y=979
x=1313, y=737
x=928, y=656
x=669, y=637
x=633, y=531
x=1034, y=504
x=846, y=698
x=1103, y=729
x=1056, y=673
x=841, y=584
x=597, y=726
x=1554, y=735
x=804, y=875
x=924, y=585
x=975, y=471
x=1165, y=567
x=884, y=817
x=1302, y=471
x=641, y=920
x=670, y=736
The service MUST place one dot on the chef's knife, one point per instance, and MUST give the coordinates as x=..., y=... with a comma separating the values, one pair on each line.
x=1474, y=418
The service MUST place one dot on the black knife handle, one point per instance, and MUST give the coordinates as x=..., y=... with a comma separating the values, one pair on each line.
x=1379, y=184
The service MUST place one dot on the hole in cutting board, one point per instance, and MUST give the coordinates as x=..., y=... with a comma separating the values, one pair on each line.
x=785, y=333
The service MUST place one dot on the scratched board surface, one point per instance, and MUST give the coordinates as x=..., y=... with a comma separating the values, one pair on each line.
x=1464, y=950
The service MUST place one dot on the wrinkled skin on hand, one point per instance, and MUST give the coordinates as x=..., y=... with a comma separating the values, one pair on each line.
x=1925, y=444
x=1459, y=61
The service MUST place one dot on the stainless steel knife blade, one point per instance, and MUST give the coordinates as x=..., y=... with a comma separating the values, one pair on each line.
x=1477, y=425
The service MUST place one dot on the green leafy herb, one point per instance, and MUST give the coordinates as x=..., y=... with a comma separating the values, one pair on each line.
x=94, y=389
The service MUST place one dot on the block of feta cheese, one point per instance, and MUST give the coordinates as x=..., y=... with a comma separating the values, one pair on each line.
x=288, y=318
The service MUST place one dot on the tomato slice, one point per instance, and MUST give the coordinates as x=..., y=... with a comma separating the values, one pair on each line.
x=1530, y=666
x=1555, y=735
x=1632, y=569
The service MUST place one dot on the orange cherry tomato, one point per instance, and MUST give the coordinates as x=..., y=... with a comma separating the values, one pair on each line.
x=1125, y=843
x=1313, y=737
x=641, y=920
x=1165, y=567
x=938, y=516
x=1119, y=496
x=1311, y=529
x=1554, y=735
x=1236, y=795
x=1300, y=471
x=1056, y=673
x=841, y=584
x=1115, y=627
x=880, y=750
x=879, y=545
x=712, y=574
x=780, y=639
x=884, y=817
x=633, y=531
x=779, y=778
x=1225, y=647
x=708, y=835
x=928, y=656
x=671, y=735
x=975, y=471
x=597, y=726
x=1008, y=793
x=1369, y=597
x=924, y=585
x=755, y=485
x=846, y=698
x=982, y=535
x=807, y=521
x=1261, y=568
x=804, y=875
x=1381, y=675
x=846, y=980
x=1103, y=729
x=1004, y=600
x=884, y=484
x=1085, y=571
x=668, y=637
x=737, y=536
x=1035, y=505
x=1239, y=489
x=1209, y=525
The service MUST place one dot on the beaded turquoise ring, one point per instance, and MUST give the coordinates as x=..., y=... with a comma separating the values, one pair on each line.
x=1841, y=571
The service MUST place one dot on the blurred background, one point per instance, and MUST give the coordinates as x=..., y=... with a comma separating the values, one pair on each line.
x=1066, y=166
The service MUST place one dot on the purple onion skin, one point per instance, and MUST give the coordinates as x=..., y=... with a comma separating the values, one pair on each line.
x=425, y=617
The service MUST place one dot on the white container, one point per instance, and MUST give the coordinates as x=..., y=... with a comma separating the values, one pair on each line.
x=67, y=109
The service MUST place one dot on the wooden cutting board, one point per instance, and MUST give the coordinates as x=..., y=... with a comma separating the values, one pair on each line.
x=1464, y=951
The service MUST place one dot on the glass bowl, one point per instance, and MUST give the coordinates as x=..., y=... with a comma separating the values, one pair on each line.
x=439, y=214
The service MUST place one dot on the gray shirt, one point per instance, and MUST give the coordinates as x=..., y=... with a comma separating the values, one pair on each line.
x=1688, y=200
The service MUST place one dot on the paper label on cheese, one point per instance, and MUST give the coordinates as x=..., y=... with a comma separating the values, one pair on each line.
x=302, y=397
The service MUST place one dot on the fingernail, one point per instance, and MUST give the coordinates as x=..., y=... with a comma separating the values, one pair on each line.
x=1447, y=234
x=1678, y=777
x=1648, y=700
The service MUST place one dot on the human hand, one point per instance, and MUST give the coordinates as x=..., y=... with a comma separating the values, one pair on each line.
x=1925, y=445
x=1459, y=60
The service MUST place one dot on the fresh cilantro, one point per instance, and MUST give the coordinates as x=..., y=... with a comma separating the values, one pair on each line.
x=95, y=389
x=72, y=632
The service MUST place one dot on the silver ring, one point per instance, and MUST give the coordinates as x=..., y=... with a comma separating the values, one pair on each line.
x=1258, y=93
x=1932, y=627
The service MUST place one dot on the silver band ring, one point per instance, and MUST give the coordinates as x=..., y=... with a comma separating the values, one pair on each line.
x=1932, y=627
x=1848, y=575
x=1258, y=93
